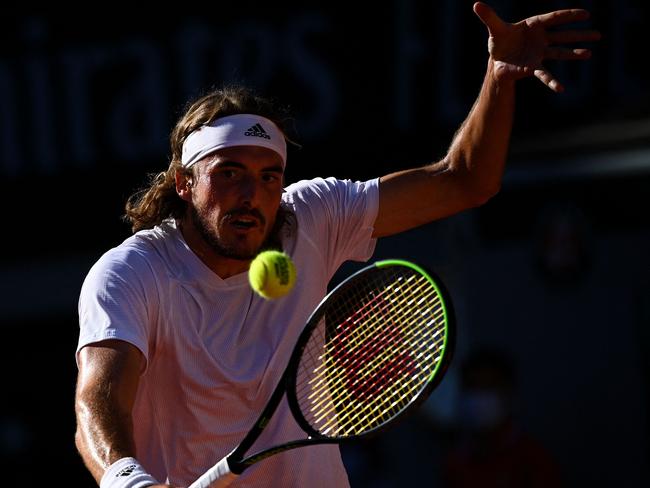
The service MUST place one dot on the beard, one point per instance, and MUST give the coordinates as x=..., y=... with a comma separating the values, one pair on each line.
x=218, y=244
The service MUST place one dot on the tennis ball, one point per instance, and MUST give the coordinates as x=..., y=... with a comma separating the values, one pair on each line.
x=272, y=274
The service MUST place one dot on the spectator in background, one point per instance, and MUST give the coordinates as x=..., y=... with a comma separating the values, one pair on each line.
x=492, y=450
x=563, y=244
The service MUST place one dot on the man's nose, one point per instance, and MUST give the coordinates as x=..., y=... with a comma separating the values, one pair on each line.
x=248, y=190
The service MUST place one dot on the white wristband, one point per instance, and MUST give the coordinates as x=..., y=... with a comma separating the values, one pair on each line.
x=126, y=473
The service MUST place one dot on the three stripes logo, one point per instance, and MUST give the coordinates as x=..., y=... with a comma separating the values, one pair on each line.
x=257, y=131
x=126, y=471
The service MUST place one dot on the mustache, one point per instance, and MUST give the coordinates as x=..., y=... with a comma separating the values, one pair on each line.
x=245, y=212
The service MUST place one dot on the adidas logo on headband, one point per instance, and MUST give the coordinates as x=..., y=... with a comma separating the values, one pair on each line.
x=257, y=131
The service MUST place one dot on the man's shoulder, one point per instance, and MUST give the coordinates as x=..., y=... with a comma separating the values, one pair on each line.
x=142, y=249
x=328, y=190
x=313, y=184
x=314, y=189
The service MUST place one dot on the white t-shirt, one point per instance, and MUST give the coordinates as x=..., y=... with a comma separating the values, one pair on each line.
x=214, y=349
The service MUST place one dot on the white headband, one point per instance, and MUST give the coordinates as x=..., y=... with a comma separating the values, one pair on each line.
x=233, y=130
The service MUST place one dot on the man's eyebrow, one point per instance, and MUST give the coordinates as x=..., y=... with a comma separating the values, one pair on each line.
x=228, y=164
x=276, y=168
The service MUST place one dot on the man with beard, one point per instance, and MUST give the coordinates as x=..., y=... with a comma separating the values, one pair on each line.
x=177, y=356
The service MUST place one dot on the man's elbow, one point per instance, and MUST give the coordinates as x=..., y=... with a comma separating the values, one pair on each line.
x=478, y=195
x=475, y=189
x=79, y=441
x=486, y=193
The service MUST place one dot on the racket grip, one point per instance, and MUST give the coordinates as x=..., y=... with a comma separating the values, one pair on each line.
x=218, y=476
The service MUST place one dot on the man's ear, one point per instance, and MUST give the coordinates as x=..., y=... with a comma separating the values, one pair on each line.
x=184, y=185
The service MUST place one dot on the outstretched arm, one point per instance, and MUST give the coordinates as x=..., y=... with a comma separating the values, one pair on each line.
x=106, y=388
x=471, y=171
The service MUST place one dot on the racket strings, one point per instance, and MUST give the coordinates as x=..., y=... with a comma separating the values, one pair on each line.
x=364, y=363
x=397, y=385
x=357, y=335
x=381, y=411
x=374, y=415
x=360, y=335
x=360, y=338
x=412, y=336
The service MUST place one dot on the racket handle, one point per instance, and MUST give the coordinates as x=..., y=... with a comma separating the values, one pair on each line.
x=218, y=476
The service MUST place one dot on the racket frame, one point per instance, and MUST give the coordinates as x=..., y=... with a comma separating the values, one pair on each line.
x=435, y=378
x=287, y=384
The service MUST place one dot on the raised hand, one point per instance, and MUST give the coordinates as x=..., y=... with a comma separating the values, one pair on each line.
x=520, y=49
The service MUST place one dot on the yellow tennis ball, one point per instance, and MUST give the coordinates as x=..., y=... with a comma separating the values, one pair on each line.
x=272, y=274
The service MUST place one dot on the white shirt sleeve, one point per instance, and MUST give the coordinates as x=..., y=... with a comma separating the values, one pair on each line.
x=114, y=303
x=338, y=216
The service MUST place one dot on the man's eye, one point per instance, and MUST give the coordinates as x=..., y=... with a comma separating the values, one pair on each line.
x=270, y=177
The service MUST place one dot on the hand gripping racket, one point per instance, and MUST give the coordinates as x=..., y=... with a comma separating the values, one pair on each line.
x=374, y=348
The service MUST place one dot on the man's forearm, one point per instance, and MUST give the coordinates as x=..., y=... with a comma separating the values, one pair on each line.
x=102, y=436
x=480, y=147
x=106, y=388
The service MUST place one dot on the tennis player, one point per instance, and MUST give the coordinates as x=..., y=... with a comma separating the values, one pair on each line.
x=177, y=356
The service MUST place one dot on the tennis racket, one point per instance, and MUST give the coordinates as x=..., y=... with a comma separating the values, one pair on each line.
x=373, y=349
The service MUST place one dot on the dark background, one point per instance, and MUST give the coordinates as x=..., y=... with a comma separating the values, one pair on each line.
x=553, y=271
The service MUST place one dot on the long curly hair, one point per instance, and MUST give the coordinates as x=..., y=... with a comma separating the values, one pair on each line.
x=158, y=200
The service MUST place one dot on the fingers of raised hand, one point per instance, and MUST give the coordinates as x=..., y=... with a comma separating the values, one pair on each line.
x=489, y=17
x=569, y=36
x=558, y=17
x=547, y=78
x=566, y=53
x=563, y=37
